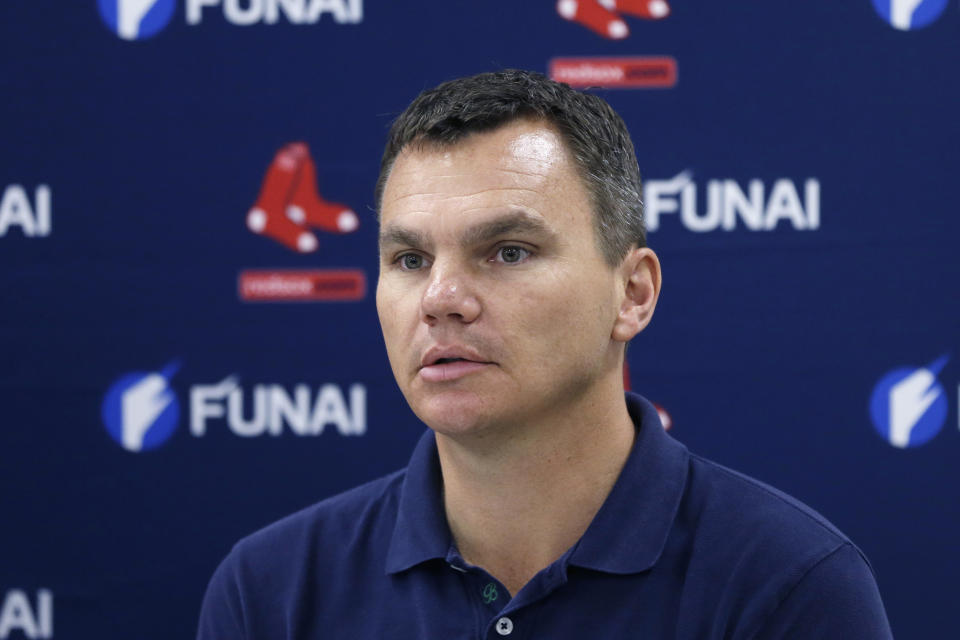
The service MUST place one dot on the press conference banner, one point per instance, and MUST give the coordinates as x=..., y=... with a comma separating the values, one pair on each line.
x=189, y=348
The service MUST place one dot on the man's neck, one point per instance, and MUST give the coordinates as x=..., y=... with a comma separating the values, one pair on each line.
x=516, y=506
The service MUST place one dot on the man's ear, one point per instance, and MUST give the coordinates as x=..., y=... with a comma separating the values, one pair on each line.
x=640, y=274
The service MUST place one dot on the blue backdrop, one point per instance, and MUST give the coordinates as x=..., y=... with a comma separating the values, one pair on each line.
x=176, y=372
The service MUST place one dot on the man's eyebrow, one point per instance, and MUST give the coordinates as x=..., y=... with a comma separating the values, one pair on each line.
x=397, y=235
x=512, y=222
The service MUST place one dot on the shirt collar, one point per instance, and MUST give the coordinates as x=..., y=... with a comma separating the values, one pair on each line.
x=629, y=532
x=421, y=532
x=626, y=536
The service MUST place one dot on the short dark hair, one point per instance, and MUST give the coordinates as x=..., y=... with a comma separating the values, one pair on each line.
x=595, y=135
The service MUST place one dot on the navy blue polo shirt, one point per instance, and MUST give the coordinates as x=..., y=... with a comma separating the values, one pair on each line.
x=681, y=548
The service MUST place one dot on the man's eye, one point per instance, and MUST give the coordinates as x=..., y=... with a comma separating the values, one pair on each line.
x=512, y=255
x=411, y=261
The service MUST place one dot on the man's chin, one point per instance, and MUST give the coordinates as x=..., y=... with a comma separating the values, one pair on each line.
x=455, y=413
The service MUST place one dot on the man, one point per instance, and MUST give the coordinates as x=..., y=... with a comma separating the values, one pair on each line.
x=541, y=503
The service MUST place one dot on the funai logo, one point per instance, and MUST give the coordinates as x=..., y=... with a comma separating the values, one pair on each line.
x=19, y=618
x=908, y=405
x=138, y=19
x=248, y=12
x=140, y=410
x=906, y=15
x=16, y=211
x=728, y=205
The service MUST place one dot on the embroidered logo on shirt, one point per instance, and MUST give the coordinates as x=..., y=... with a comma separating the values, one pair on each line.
x=490, y=593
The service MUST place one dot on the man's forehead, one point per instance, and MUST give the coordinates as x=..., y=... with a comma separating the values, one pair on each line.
x=537, y=137
x=542, y=147
x=521, y=146
x=515, y=161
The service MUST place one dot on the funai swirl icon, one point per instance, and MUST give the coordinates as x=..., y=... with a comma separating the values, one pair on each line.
x=906, y=15
x=140, y=410
x=908, y=405
x=136, y=19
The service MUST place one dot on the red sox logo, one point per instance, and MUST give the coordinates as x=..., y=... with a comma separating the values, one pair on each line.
x=604, y=16
x=289, y=210
x=289, y=204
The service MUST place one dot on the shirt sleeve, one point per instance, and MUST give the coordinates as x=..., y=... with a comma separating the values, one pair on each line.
x=221, y=615
x=837, y=599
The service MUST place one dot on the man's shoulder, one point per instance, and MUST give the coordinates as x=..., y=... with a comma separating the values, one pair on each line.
x=271, y=573
x=333, y=525
x=747, y=526
x=739, y=499
x=765, y=562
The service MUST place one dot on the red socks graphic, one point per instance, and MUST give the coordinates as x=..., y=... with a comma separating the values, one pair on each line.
x=289, y=203
x=648, y=9
x=307, y=207
x=590, y=14
x=601, y=16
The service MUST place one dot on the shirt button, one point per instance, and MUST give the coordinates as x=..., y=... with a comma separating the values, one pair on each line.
x=504, y=626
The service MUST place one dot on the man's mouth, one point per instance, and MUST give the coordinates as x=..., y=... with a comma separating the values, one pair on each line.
x=442, y=367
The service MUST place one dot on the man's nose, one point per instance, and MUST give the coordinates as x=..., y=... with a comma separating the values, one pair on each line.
x=449, y=296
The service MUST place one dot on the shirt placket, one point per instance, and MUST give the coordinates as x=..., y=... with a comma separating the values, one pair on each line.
x=499, y=616
x=518, y=619
x=489, y=598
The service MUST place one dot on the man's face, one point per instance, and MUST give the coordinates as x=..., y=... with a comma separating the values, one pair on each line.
x=495, y=301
